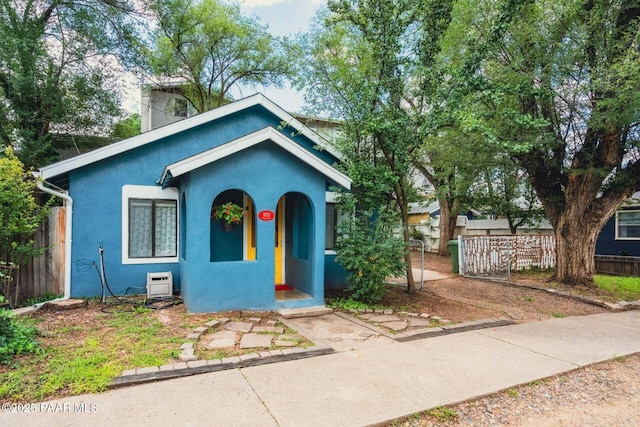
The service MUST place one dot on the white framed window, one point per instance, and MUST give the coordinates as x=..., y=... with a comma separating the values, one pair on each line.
x=149, y=224
x=628, y=225
x=334, y=217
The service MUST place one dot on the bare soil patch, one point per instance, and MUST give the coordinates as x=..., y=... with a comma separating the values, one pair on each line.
x=461, y=299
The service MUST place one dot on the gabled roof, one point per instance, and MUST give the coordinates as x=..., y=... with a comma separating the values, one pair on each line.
x=189, y=164
x=103, y=153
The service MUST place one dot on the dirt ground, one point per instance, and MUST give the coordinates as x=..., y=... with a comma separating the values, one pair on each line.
x=455, y=298
x=460, y=299
x=605, y=394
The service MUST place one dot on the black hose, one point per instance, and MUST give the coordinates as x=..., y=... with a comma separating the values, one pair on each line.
x=149, y=303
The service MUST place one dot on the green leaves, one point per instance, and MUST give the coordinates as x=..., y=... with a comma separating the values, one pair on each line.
x=211, y=47
x=57, y=70
x=19, y=214
x=369, y=250
x=15, y=337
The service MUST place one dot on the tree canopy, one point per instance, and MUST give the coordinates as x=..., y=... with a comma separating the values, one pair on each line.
x=556, y=84
x=365, y=61
x=56, y=70
x=213, y=48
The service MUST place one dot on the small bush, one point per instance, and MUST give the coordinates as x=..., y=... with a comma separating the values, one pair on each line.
x=370, y=253
x=15, y=337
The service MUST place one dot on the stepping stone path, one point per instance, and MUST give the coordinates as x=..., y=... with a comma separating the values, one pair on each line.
x=398, y=321
x=254, y=333
x=239, y=326
x=384, y=318
x=273, y=329
x=419, y=323
x=396, y=326
x=223, y=339
x=254, y=340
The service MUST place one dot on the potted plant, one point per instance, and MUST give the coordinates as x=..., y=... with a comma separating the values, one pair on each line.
x=229, y=214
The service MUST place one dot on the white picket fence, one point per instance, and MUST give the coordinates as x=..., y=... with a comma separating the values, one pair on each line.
x=496, y=257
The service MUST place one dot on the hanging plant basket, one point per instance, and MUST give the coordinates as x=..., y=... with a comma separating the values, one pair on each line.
x=227, y=226
x=229, y=214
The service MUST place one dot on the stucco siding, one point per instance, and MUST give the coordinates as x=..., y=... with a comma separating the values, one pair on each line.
x=265, y=173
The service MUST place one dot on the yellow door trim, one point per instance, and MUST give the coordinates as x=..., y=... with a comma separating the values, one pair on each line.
x=249, y=230
x=279, y=243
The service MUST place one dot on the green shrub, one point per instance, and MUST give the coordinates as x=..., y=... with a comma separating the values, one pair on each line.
x=370, y=253
x=15, y=337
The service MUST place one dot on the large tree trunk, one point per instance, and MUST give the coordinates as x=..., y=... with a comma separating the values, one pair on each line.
x=577, y=227
x=448, y=220
x=575, y=251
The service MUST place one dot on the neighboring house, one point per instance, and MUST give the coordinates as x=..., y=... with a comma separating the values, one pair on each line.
x=148, y=201
x=419, y=212
x=163, y=105
x=621, y=234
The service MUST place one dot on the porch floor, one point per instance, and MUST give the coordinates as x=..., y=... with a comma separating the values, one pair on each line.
x=291, y=294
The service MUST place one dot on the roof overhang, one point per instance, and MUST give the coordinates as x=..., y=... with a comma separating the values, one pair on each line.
x=108, y=151
x=189, y=164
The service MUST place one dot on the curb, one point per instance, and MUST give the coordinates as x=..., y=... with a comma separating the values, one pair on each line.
x=421, y=333
x=185, y=369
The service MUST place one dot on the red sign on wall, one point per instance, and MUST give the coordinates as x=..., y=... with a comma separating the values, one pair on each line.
x=266, y=215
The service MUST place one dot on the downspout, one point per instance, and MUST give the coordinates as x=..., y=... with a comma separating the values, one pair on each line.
x=68, y=204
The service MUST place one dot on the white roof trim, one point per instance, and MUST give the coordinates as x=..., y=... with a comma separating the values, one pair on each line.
x=269, y=133
x=68, y=165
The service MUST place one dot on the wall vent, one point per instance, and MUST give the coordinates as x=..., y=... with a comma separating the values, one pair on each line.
x=159, y=284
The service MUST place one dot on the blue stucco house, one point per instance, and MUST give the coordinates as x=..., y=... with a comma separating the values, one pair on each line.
x=148, y=202
x=621, y=234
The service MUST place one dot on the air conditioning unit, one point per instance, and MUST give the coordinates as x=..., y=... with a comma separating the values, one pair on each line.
x=159, y=285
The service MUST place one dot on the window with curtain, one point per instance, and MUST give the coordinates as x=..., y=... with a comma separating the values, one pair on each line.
x=152, y=228
x=628, y=225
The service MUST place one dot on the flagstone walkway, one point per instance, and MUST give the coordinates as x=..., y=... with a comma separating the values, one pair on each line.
x=255, y=341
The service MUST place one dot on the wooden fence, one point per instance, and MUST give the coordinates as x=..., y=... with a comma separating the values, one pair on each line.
x=618, y=265
x=45, y=274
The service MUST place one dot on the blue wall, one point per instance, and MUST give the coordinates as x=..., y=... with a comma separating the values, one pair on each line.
x=265, y=172
x=335, y=276
x=606, y=244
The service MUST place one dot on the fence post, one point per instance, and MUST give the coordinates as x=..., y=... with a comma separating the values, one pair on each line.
x=460, y=255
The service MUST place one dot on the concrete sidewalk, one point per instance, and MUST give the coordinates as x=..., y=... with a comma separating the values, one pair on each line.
x=360, y=387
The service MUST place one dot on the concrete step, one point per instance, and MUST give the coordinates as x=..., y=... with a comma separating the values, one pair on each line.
x=293, y=313
x=67, y=304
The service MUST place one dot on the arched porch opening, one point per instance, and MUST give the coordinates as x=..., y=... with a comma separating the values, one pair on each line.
x=294, y=247
x=232, y=232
